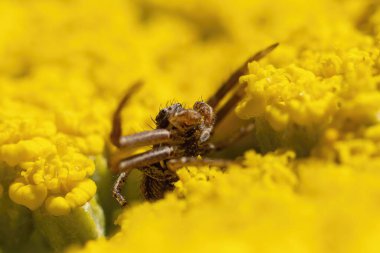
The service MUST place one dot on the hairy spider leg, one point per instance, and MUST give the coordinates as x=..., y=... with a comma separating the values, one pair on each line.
x=116, y=120
x=145, y=138
x=243, y=131
x=233, y=80
x=231, y=104
x=142, y=139
x=146, y=158
x=118, y=186
x=175, y=164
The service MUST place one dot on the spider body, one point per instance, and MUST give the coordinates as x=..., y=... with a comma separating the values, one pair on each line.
x=181, y=136
x=192, y=128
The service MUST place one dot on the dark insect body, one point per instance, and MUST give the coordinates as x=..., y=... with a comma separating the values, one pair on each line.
x=181, y=135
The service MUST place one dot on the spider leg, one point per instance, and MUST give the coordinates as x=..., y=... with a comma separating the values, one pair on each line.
x=145, y=138
x=230, y=104
x=118, y=186
x=175, y=164
x=116, y=121
x=233, y=80
x=243, y=131
x=146, y=158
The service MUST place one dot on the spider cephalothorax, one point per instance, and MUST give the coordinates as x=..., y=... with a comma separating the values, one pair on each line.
x=181, y=135
x=191, y=128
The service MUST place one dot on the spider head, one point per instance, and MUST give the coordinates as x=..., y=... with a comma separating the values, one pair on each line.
x=201, y=117
x=175, y=116
x=162, y=118
x=185, y=120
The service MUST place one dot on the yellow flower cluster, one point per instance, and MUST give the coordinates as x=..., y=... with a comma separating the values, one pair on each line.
x=52, y=119
x=310, y=186
x=48, y=142
x=313, y=92
x=329, y=208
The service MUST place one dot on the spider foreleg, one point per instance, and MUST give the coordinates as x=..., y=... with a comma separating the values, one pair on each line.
x=230, y=104
x=175, y=164
x=243, y=131
x=233, y=80
x=116, y=120
x=146, y=138
x=147, y=158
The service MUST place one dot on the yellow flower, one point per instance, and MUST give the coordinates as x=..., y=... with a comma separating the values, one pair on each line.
x=308, y=181
x=60, y=179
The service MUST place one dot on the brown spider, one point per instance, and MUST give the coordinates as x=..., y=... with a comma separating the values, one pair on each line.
x=181, y=135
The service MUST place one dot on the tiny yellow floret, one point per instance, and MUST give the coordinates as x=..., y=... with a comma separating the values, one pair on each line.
x=31, y=196
x=81, y=193
x=57, y=206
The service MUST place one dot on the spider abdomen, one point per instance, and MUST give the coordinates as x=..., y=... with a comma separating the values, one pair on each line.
x=154, y=189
